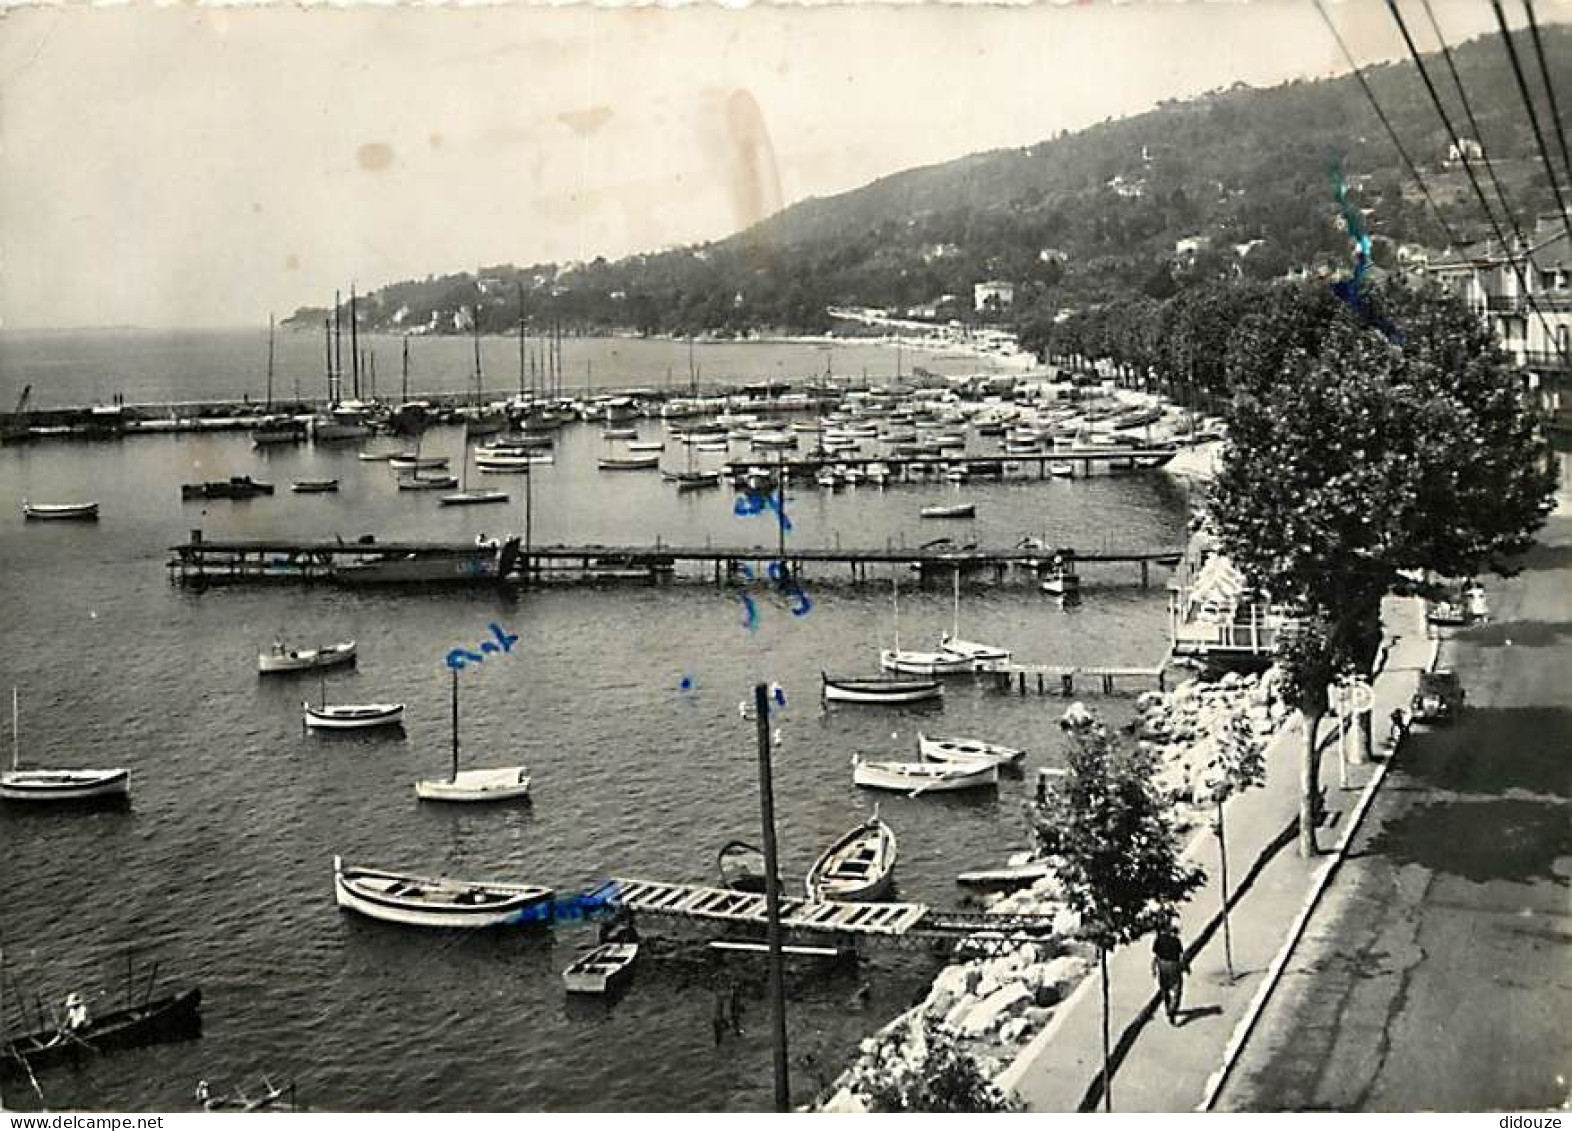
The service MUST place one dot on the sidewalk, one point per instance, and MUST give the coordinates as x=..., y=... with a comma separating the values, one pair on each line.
x=1159, y=1067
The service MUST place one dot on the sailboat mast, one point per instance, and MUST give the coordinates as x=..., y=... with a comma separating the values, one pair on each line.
x=336, y=381
x=455, y=724
x=327, y=343
x=895, y=600
x=475, y=326
x=270, y=362
x=405, y=387
x=521, y=339
x=955, y=623
x=354, y=342
x=16, y=744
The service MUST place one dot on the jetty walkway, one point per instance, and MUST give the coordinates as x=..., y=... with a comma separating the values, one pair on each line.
x=203, y=561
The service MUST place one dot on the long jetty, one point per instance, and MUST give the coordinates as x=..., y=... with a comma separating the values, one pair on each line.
x=203, y=561
x=977, y=466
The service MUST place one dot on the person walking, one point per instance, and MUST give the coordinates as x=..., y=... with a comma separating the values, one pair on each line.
x=1168, y=967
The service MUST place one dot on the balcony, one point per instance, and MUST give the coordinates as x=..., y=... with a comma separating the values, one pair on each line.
x=1545, y=359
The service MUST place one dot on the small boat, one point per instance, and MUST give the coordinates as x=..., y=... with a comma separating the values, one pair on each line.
x=500, y=783
x=860, y=865
x=375, y=457
x=601, y=970
x=353, y=716
x=692, y=480
x=278, y=430
x=519, y=463
x=981, y=655
x=959, y=510
x=272, y=1098
x=413, y=462
x=968, y=750
x=1018, y=873
x=474, y=498
x=282, y=659
x=629, y=463
x=313, y=486
x=838, y=689
x=17, y=784
x=61, y=512
x=828, y=478
x=425, y=901
x=235, y=487
x=1061, y=469
x=418, y=482
x=924, y=663
x=712, y=445
x=174, y=1017
x=924, y=777
x=646, y=445
x=619, y=434
x=1061, y=581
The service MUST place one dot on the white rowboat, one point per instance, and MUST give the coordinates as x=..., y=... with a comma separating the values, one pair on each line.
x=924, y=777
x=282, y=659
x=860, y=865
x=967, y=750
x=17, y=784
x=61, y=512
x=354, y=716
x=892, y=691
x=602, y=969
x=425, y=901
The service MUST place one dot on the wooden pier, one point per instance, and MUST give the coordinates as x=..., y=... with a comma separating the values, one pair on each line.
x=1052, y=678
x=984, y=466
x=912, y=922
x=202, y=561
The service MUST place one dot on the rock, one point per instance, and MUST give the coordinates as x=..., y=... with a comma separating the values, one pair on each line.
x=958, y=1012
x=1011, y=1032
x=987, y=985
x=939, y=1003
x=957, y=980
x=1000, y=1004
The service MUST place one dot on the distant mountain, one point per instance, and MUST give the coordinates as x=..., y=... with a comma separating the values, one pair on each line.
x=1240, y=181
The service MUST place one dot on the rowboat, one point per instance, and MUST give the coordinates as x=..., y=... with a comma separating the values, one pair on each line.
x=860, y=865
x=1061, y=469
x=410, y=462
x=892, y=691
x=499, y=783
x=521, y=462
x=235, y=487
x=1061, y=581
x=982, y=656
x=353, y=716
x=17, y=784
x=1010, y=876
x=741, y=866
x=924, y=663
x=282, y=659
x=601, y=970
x=646, y=445
x=425, y=901
x=712, y=445
x=692, y=480
x=967, y=750
x=61, y=512
x=924, y=777
x=418, y=482
x=619, y=433
x=473, y=498
x=174, y=1017
x=313, y=486
x=959, y=510
x=629, y=463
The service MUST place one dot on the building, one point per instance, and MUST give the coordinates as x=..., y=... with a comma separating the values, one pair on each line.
x=1464, y=148
x=1537, y=334
x=993, y=295
x=1190, y=246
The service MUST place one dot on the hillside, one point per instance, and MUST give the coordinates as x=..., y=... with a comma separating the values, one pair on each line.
x=1082, y=217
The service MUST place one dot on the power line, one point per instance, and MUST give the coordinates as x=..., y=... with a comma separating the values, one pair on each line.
x=1512, y=258
x=1550, y=93
x=1533, y=115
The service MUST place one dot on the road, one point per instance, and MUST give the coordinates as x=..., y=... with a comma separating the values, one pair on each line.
x=1438, y=974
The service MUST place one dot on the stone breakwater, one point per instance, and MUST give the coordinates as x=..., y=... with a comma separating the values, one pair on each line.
x=995, y=997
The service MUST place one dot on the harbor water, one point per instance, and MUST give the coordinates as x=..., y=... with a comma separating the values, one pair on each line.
x=622, y=699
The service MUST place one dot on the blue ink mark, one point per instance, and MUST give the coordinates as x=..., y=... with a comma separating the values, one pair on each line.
x=685, y=683
x=1351, y=291
x=459, y=658
x=585, y=905
x=750, y=617
x=778, y=693
x=757, y=504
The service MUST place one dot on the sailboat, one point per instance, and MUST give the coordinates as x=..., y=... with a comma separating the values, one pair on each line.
x=464, y=497
x=917, y=663
x=275, y=429
x=503, y=783
x=17, y=784
x=983, y=657
x=691, y=479
x=479, y=420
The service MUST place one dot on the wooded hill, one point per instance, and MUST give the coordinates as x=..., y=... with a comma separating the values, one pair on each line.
x=1083, y=217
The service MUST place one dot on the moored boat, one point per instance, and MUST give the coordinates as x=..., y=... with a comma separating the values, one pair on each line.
x=498, y=783
x=235, y=487
x=419, y=482
x=838, y=689
x=629, y=463
x=958, y=510
x=473, y=498
x=860, y=865
x=924, y=663
x=314, y=486
x=601, y=970
x=924, y=777
x=61, y=512
x=968, y=750
x=427, y=901
x=172, y=1017
x=47, y=784
x=281, y=659
x=353, y=716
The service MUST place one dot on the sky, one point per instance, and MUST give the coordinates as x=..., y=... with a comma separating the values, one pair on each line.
x=185, y=166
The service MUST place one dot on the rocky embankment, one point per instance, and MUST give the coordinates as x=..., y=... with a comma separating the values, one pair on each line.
x=994, y=998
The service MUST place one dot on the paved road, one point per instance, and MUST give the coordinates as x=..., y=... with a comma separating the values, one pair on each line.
x=1438, y=974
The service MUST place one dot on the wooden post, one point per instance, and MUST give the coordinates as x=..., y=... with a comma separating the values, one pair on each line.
x=1145, y=573
x=772, y=898
x=1067, y=684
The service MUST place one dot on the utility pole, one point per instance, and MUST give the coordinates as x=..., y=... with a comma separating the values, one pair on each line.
x=772, y=897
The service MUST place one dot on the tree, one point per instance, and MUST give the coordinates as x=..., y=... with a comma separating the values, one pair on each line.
x=1113, y=829
x=1360, y=457
x=1237, y=764
x=942, y=1077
